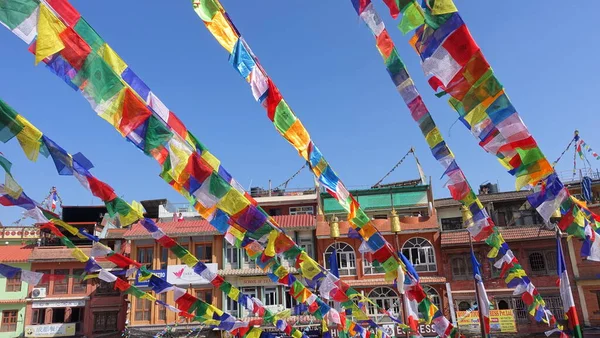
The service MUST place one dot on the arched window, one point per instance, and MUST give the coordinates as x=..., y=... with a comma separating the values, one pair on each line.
x=346, y=258
x=503, y=305
x=420, y=252
x=385, y=298
x=464, y=306
x=543, y=262
x=434, y=296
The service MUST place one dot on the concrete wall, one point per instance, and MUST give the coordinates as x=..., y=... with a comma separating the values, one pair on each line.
x=20, y=306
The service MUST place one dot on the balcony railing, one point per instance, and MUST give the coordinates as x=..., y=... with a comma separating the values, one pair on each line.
x=568, y=176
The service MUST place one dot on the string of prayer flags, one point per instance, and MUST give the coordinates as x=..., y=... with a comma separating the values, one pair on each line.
x=581, y=146
x=482, y=227
x=457, y=66
x=289, y=126
x=162, y=135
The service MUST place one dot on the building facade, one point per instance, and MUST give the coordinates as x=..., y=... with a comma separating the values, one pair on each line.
x=13, y=292
x=535, y=248
x=419, y=240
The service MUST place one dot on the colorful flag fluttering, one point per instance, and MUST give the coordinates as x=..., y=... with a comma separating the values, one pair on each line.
x=570, y=312
x=483, y=302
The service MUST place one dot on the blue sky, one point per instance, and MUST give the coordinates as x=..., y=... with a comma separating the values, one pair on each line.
x=324, y=61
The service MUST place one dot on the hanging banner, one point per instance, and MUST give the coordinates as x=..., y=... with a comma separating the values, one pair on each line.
x=501, y=321
x=184, y=275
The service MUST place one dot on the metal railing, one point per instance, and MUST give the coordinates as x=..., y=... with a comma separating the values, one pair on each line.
x=568, y=176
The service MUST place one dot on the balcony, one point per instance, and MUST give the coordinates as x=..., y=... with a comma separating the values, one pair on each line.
x=570, y=177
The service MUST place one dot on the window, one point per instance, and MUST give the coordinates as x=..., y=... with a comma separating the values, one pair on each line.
x=380, y=216
x=543, y=262
x=14, y=284
x=302, y=210
x=274, y=212
x=162, y=311
x=231, y=257
x=44, y=283
x=250, y=292
x=205, y=295
x=39, y=317
x=420, y=252
x=305, y=241
x=247, y=262
x=61, y=285
x=503, y=305
x=452, y=223
x=9, y=321
x=271, y=296
x=79, y=285
x=204, y=252
x=461, y=267
x=368, y=267
x=58, y=315
x=554, y=304
x=164, y=258
x=145, y=255
x=231, y=306
x=345, y=258
x=434, y=296
x=105, y=321
x=385, y=298
x=142, y=309
x=106, y=289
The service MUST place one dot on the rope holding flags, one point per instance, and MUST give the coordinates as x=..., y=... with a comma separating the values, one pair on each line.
x=481, y=225
x=289, y=126
x=121, y=98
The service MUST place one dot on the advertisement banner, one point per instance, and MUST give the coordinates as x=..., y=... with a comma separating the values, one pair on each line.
x=50, y=330
x=500, y=321
x=184, y=275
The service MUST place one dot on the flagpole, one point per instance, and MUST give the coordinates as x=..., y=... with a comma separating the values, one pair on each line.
x=481, y=319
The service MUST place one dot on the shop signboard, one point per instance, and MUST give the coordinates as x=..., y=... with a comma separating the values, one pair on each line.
x=500, y=321
x=50, y=330
x=184, y=275
x=57, y=303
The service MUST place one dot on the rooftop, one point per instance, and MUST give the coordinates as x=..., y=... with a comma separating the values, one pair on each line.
x=202, y=227
x=486, y=198
x=15, y=253
x=461, y=237
x=381, y=281
x=407, y=223
x=42, y=254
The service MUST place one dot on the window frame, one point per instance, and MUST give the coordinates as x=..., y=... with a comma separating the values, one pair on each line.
x=386, y=298
x=107, y=326
x=430, y=255
x=164, y=259
x=272, y=290
x=451, y=223
x=343, y=249
x=79, y=284
x=142, y=310
x=549, y=262
x=465, y=260
x=145, y=249
x=9, y=323
x=14, y=284
x=434, y=295
x=228, y=250
x=61, y=283
x=203, y=293
x=369, y=269
x=204, y=245
x=162, y=311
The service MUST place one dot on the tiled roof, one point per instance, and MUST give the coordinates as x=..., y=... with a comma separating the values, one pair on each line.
x=13, y=301
x=55, y=253
x=381, y=281
x=115, y=233
x=248, y=271
x=202, y=227
x=509, y=234
x=497, y=197
x=15, y=253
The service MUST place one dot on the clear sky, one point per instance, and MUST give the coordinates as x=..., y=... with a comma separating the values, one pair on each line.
x=325, y=63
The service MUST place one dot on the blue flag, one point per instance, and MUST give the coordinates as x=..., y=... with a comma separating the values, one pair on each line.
x=333, y=264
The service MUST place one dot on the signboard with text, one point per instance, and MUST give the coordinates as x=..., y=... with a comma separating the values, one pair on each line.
x=57, y=303
x=50, y=330
x=500, y=321
x=184, y=275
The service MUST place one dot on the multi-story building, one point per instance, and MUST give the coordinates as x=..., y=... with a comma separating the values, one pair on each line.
x=292, y=210
x=533, y=245
x=418, y=239
x=13, y=292
x=64, y=304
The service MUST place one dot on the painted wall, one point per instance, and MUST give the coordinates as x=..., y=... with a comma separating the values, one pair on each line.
x=17, y=305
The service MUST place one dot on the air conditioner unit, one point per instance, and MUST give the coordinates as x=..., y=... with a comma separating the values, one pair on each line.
x=38, y=293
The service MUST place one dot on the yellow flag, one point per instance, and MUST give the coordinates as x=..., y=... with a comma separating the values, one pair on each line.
x=130, y=218
x=236, y=233
x=48, y=40
x=309, y=267
x=113, y=59
x=270, y=249
x=148, y=297
x=233, y=202
x=297, y=334
x=211, y=160
x=179, y=155
x=299, y=138
x=443, y=7
x=433, y=138
x=91, y=276
x=189, y=260
x=234, y=293
x=112, y=109
x=320, y=167
x=73, y=230
x=476, y=115
x=255, y=333
x=79, y=255
x=11, y=186
x=138, y=207
x=29, y=138
x=222, y=31
x=283, y=314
